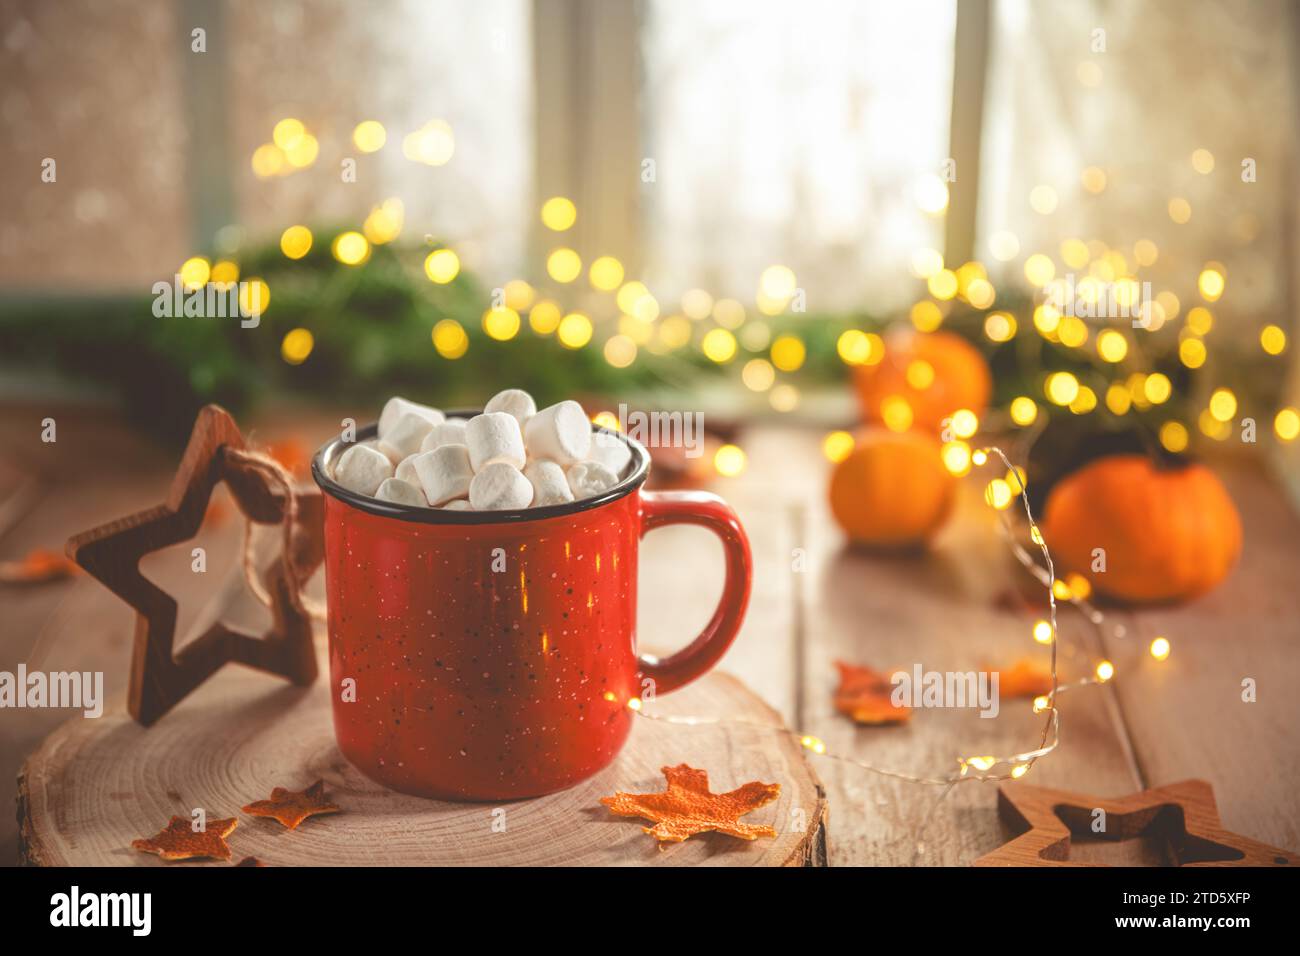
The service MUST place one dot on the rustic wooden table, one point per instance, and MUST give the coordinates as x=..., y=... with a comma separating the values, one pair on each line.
x=814, y=601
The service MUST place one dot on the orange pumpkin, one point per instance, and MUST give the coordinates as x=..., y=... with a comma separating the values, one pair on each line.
x=892, y=490
x=1168, y=533
x=946, y=373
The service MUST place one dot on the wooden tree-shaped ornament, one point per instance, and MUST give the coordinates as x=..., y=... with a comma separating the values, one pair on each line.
x=1183, y=814
x=160, y=677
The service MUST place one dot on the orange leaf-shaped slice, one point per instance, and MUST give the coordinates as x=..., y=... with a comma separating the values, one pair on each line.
x=864, y=695
x=1025, y=678
x=291, y=807
x=687, y=807
x=179, y=841
x=38, y=566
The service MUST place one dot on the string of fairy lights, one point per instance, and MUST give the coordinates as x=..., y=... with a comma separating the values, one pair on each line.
x=980, y=767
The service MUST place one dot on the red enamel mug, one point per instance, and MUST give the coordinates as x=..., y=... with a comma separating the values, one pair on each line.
x=492, y=655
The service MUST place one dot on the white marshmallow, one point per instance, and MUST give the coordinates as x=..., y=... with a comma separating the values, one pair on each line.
x=515, y=402
x=559, y=432
x=499, y=486
x=611, y=451
x=406, y=470
x=550, y=485
x=494, y=436
x=395, y=408
x=589, y=478
x=403, y=438
x=362, y=469
x=444, y=473
x=401, y=493
x=450, y=432
x=457, y=504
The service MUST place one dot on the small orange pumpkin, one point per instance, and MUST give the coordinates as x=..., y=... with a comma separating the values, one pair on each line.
x=1168, y=533
x=892, y=490
x=947, y=373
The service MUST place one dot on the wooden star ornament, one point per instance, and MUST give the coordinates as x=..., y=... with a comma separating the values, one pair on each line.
x=160, y=677
x=1183, y=814
x=179, y=841
x=688, y=807
x=291, y=807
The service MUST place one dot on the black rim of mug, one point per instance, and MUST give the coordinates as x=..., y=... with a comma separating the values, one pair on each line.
x=442, y=516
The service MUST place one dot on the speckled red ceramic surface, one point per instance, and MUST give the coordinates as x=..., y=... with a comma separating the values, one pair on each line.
x=495, y=659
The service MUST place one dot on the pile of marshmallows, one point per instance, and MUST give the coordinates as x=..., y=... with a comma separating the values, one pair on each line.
x=510, y=457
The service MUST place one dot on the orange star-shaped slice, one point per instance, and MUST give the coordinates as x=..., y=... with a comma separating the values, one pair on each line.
x=160, y=678
x=687, y=807
x=864, y=695
x=291, y=807
x=179, y=841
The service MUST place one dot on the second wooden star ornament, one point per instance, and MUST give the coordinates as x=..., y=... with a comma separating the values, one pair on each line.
x=161, y=677
x=1183, y=815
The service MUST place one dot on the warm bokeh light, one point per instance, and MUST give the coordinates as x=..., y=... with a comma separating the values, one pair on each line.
x=296, y=346
x=620, y=351
x=1223, y=404
x=1043, y=632
x=1039, y=270
x=544, y=317
x=295, y=242
x=1272, y=339
x=919, y=374
x=195, y=272
x=1160, y=648
x=559, y=213
x=1061, y=388
x=1157, y=388
x=837, y=446
x=696, y=303
x=998, y=494
x=288, y=133
x=896, y=413
x=254, y=296
x=758, y=375
x=563, y=265
x=1211, y=283
x=441, y=266
x=729, y=460
x=1286, y=424
x=1191, y=352
x=1173, y=436
x=1112, y=346
x=606, y=273
x=574, y=331
x=926, y=316
x=501, y=324
x=1023, y=410
x=1180, y=210
x=1000, y=326
x=856, y=347
x=718, y=345
x=1105, y=671
x=350, y=248
x=788, y=352
x=450, y=339
x=369, y=136
x=964, y=423
x=956, y=458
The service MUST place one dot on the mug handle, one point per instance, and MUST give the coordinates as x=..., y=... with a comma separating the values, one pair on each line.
x=659, y=508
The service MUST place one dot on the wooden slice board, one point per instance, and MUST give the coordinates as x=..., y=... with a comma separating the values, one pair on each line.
x=95, y=785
